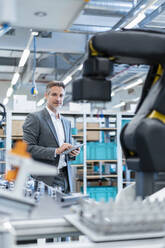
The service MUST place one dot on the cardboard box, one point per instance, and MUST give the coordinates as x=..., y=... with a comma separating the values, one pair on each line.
x=91, y=135
x=17, y=127
x=1, y=131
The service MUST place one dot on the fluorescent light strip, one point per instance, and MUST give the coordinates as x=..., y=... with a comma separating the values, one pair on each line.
x=26, y=51
x=80, y=67
x=67, y=79
x=119, y=105
x=9, y=92
x=24, y=57
x=15, y=78
x=5, y=101
x=139, y=81
x=134, y=22
x=140, y=16
x=22, y=62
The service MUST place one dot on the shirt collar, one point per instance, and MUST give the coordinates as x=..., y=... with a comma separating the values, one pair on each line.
x=52, y=113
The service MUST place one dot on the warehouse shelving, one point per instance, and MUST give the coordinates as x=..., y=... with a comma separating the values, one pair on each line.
x=119, y=161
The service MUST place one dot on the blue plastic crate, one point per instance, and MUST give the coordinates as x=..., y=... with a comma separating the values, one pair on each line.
x=101, y=152
x=111, y=151
x=113, y=168
x=74, y=131
x=99, y=193
x=1, y=144
x=91, y=150
x=96, y=169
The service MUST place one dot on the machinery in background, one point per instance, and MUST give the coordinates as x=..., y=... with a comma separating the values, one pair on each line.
x=143, y=139
x=18, y=193
x=13, y=202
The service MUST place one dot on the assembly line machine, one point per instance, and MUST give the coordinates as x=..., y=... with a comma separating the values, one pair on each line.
x=82, y=222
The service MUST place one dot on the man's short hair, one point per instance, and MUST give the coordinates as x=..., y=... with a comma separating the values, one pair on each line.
x=54, y=83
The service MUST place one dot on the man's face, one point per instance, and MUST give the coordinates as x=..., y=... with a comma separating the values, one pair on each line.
x=55, y=98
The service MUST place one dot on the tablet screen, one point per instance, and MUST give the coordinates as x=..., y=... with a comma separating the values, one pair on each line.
x=72, y=148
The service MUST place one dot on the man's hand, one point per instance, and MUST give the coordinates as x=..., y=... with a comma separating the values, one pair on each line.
x=75, y=152
x=63, y=148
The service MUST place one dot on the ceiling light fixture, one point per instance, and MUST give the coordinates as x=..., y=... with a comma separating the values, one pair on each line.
x=22, y=62
x=9, y=92
x=26, y=51
x=132, y=85
x=15, y=78
x=67, y=79
x=119, y=105
x=5, y=101
x=135, y=21
x=34, y=33
x=140, y=16
x=40, y=14
x=80, y=67
x=24, y=57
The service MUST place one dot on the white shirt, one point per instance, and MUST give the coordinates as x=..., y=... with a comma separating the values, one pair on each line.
x=60, y=134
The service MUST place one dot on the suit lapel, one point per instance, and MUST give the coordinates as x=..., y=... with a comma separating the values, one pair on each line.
x=50, y=124
x=65, y=129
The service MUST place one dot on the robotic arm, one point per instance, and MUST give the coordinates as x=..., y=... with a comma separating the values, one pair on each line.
x=143, y=139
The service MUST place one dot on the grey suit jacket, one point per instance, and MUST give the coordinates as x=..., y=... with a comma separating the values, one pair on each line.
x=40, y=135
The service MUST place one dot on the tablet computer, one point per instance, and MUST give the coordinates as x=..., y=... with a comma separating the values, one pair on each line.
x=72, y=148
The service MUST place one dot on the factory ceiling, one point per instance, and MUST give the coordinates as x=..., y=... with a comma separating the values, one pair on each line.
x=60, y=46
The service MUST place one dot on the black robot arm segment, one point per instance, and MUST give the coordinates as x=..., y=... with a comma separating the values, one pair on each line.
x=143, y=139
x=129, y=46
x=154, y=74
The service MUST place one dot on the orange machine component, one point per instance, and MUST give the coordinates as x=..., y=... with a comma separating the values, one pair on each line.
x=20, y=149
x=11, y=175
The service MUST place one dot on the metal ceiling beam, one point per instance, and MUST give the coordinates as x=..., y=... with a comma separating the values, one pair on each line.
x=103, y=16
x=151, y=16
x=131, y=14
x=66, y=59
x=88, y=29
x=115, y=7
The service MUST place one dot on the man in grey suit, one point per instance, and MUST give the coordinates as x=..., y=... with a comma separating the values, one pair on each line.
x=48, y=135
